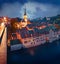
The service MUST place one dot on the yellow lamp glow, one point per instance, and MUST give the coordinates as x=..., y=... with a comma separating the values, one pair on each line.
x=5, y=19
x=2, y=24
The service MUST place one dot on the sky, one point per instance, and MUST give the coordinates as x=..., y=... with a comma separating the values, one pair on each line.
x=35, y=8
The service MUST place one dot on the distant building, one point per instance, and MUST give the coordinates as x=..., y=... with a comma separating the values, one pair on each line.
x=15, y=45
x=47, y=18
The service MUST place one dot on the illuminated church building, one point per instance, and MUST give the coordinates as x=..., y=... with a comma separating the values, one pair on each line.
x=24, y=22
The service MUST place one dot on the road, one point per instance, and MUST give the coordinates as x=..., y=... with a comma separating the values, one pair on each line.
x=1, y=29
x=3, y=48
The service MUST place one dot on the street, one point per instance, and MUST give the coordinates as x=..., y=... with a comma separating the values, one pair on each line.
x=3, y=49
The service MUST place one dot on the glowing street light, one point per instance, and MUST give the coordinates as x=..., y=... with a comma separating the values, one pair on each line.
x=5, y=19
x=2, y=24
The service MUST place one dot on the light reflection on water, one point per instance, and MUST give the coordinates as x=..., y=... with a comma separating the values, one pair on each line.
x=31, y=51
x=43, y=53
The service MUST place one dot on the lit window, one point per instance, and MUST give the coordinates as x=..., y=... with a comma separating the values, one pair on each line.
x=25, y=42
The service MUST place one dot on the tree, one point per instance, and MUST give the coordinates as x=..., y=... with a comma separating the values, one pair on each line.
x=14, y=23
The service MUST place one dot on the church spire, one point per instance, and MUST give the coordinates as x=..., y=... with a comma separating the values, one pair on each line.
x=25, y=14
x=25, y=11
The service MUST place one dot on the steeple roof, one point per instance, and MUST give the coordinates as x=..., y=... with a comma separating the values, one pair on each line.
x=25, y=11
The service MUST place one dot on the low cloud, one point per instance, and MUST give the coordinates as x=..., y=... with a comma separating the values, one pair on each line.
x=34, y=9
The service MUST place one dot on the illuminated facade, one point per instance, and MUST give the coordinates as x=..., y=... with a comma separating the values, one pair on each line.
x=25, y=20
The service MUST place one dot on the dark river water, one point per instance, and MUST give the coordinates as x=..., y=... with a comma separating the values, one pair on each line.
x=49, y=53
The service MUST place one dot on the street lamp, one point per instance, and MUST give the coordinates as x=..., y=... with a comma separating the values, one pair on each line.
x=2, y=24
x=5, y=19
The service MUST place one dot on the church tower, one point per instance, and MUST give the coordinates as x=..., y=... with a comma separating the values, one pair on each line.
x=24, y=22
x=25, y=15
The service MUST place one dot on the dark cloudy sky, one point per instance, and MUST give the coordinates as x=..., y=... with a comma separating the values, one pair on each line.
x=35, y=8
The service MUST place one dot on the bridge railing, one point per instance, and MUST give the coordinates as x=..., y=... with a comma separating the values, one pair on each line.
x=1, y=35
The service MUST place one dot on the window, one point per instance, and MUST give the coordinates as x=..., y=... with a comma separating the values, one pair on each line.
x=34, y=42
x=29, y=40
x=25, y=42
x=37, y=41
x=37, y=38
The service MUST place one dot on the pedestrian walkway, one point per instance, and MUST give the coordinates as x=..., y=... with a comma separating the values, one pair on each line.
x=3, y=49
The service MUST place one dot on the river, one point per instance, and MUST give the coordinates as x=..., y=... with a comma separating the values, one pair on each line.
x=49, y=53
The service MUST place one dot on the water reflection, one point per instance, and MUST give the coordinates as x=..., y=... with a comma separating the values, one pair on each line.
x=49, y=52
x=57, y=43
x=31, y=51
